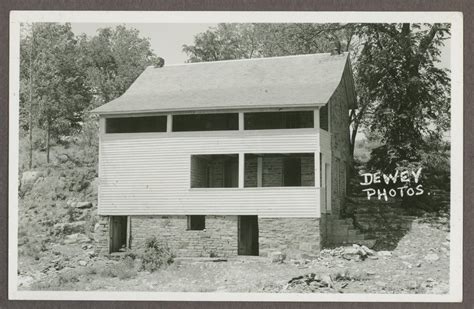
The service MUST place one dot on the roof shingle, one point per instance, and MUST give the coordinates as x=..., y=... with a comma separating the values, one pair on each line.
x=280, y=82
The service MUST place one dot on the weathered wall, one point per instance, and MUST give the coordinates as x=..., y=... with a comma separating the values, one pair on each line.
x=292, y=236
x=219, y=238
x=340, y=145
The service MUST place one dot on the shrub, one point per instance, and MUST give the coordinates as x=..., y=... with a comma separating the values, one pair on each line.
x=156, y=255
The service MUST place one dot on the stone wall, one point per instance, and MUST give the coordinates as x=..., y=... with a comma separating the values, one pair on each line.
x=272, y=171
x=219, y=238
x=340, y=145
x=291, y=236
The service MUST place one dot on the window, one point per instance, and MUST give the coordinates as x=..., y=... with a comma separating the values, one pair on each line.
x=215, y=171
x=324, y=118
x=205, y=122
x=279, y=170
x=278, y=120
x=196, y=223
x=135, y=124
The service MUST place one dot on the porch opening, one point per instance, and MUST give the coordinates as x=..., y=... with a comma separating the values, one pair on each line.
x=248, y=235
x=215, y=171
x=118, y=233
x=135, y=124
x=278, y=120
x=279, y=170
x=205, y=122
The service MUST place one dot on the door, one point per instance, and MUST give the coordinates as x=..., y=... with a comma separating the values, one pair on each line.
x=248, y=235
x=118, y=233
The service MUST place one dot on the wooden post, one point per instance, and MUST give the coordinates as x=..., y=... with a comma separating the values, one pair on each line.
x=259, y=171
x=241, y=121
x=169, y=123
x=316, y=118
x=241, y=169
x=317, y=169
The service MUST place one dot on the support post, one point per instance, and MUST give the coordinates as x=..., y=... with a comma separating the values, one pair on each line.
x=316, y=118
x=241, y=169
x=169, y=123
x=241, y=121
x=259, y=171
x=317, y=169
x=101, y=125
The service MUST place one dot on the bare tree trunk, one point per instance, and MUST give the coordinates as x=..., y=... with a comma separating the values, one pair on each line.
x=48, y=133
x=30, y=120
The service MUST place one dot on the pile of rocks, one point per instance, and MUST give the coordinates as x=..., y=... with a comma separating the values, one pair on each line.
x=355, y=252
x=310, y=281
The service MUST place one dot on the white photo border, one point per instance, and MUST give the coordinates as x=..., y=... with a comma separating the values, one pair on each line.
x=124, y=17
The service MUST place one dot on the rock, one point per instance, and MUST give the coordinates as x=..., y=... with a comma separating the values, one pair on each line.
x=370, y=272
x=384, y=253
x=412, y=285
x=367, y=250
x=82, y=263
x=277, y=257
x=448, y=237
x=83, y=205
x=432, y=257
x=76, y=238
x=69, y=227
x=418, y=264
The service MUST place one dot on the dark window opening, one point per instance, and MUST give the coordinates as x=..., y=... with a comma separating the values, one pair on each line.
x=215, y=171
x=135, y=124
x=279, y=170
x=292, y=172
x=278, y=120
x=205, y=122
x=196, y=223
x=324, y=118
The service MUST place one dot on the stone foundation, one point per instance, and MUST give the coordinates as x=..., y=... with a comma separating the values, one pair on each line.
x=291, y=236
x=218, y=239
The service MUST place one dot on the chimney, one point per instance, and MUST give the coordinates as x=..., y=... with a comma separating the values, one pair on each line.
x=336, y=48
x=160, y=62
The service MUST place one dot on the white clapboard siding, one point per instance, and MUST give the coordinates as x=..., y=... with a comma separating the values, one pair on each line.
x=149, y=173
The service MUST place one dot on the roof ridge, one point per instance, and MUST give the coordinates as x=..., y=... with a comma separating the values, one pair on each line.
x=243, y=59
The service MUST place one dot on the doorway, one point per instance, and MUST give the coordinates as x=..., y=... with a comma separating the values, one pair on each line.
x=118, y=233
x=248, y=235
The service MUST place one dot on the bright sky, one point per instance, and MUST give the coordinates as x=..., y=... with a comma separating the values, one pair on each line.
x=167, y=39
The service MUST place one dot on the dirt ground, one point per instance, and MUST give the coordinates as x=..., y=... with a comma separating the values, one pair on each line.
x=419, y=264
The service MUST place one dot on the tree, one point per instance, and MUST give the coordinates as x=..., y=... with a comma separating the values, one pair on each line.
x=57, y=89
x=114, y=58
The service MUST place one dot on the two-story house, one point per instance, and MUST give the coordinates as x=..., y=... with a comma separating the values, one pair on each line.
x=226, y=158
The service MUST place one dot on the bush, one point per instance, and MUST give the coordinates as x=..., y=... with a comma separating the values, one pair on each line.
x=156, y=255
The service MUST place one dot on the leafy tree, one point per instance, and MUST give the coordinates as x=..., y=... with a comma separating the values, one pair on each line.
x=113, y=59
x=53, y=73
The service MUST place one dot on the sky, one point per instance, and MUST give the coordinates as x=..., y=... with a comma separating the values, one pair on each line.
x=167, y=39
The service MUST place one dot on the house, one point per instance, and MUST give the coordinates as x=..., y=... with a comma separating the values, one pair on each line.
x=241, y=157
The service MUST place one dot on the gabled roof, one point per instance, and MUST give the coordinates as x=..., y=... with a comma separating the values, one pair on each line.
x=278, y=82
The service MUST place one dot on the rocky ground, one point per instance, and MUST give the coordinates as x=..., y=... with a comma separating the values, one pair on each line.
x=418, y=264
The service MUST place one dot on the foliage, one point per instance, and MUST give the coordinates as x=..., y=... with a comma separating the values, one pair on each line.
x=155, y=255
x=111, y=64
x=51, y=67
